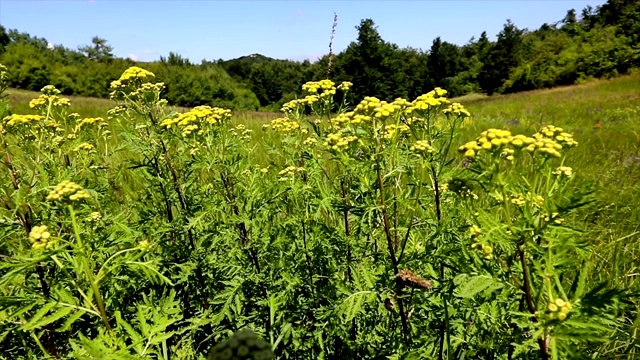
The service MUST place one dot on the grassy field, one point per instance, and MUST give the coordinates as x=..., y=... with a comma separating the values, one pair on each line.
x=272, y=228
x=605, y=118
x=93, y=107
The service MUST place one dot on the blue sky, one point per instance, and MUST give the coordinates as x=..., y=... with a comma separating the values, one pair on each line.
x=145, y=30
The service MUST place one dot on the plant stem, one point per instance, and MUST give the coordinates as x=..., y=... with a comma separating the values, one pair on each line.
x=394, y=261
x=444, y=328
x=528, y=292
x=347, y=233
x=88, y=271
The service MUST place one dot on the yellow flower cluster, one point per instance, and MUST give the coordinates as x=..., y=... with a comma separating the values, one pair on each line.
x=507, y=154
x=289, y=173
x=544, y=146
x=112, y=113
x=345, y=86
x=68, y=189
x=132, y=74
x=314, y=86
x=391, y=130
x=87, y=121
x=554, y=216
x=337, y=141
x=40, y=238
x=557, y=134
x=43, y=101
x=431, y=99
x=496, y=139
x=487, y=250
x=475, y=231
x=282, y=125
x=327, y=93
x=373, y=106
x=188, y=129
x=144, y=89
x=84, y=146
x=520, y=199
x=50, y=90
x=241, y=131
x=457, y=108
x=384, y=110
x=558, y=309
x=16, y=119
x=201, y=114
x=422, y=147
x=144, y=245
x=94, y=217
x=563, y=171
x=292, y=105
x=311, y=140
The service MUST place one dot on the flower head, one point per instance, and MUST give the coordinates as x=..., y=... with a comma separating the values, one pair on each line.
x=68, y=190
x=40, y=238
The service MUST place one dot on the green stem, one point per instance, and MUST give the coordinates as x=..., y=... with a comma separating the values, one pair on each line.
x=88, y=272
x=99, y=276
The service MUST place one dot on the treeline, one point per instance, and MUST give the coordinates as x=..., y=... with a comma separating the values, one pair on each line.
x=89, y=70
x=597, y=42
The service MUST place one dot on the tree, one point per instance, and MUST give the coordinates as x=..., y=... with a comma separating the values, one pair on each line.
x=443, y=61
x=99, y=50
x=175, y=60
x=502, y=57
x=4, y=38
x=364, y=60
x=571, y=18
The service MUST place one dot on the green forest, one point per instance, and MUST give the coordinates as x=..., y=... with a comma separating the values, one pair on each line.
x=599, y=42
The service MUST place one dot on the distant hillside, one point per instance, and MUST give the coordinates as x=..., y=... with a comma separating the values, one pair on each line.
x=240, y=68
x=599, y=42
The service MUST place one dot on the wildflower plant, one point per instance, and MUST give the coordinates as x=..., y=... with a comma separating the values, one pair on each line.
x=360, y=229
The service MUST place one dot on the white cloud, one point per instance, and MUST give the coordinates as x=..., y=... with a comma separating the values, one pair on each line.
x=134, y=57
x=149, y=52
x=49, y=45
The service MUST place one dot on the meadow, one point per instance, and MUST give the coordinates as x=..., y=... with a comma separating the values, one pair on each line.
x=502, y=227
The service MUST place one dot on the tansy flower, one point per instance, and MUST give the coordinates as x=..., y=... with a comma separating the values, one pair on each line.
x=422, y=147
x=40, y=238
x=563, y=171
x=94, y=217
x=68, y=190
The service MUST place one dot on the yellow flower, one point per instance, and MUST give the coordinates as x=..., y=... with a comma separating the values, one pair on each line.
x=94, y=217
x=283, y=125
x=40, y=238
x=338, y=141
x=475, y=231
x=289, y=173
x=422, y=147
x=130, y=74
x=563, y=171
x=458, y=109
x=345, y=86
x=13, y=120
x=68, y=190
x=311, y=140
x=144, y=245
x=84, y=146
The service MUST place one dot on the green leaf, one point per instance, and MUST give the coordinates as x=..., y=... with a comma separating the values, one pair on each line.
x=39, y=319
x=469, y=286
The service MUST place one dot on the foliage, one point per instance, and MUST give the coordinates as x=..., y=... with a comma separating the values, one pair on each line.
x=356, y=229
x=596, y=42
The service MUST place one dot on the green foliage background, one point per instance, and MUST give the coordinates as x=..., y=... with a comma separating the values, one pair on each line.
x=596, y=43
